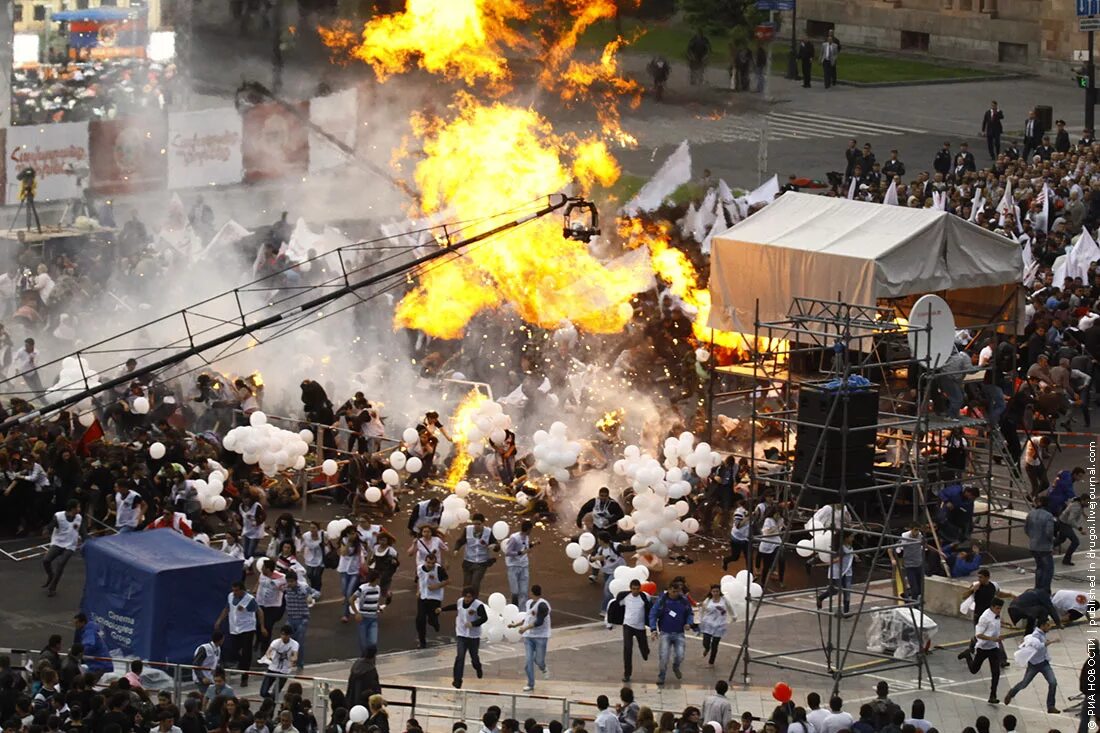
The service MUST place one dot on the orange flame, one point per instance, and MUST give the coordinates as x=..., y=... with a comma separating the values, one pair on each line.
x=460, y=429
x=457, y=39
x=546, y=278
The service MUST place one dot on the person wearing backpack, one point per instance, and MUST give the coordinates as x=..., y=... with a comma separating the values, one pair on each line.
x=630, y=609
x=667, y=620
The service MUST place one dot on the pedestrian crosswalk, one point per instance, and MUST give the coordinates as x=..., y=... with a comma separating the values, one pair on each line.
x=744, y=127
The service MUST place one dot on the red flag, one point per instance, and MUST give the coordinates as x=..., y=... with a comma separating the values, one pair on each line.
x=91, y=435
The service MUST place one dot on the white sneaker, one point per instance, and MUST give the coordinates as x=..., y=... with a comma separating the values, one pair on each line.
x=546, y=673
x=528, y=688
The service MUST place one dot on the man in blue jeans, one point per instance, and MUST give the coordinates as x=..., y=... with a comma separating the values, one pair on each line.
x=298, y=597
x=1039, y=664
x=1039, y=528
x=668, y=617
x=535, y=628
x=366, y=601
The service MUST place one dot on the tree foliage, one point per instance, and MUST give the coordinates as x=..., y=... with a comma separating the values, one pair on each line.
x=719, y=17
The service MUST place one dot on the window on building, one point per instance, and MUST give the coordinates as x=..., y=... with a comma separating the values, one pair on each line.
x=81, y=4
x=18, y=13
x=819, y=28
x=1012, y=53
x=108, y=3
x=39, y=12
x=914, y=41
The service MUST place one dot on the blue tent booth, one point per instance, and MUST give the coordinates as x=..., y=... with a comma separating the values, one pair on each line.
x=155, y=594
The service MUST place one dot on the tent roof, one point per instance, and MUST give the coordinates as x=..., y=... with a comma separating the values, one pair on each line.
x=157, y=550
x=810, y=246
x=100, y=15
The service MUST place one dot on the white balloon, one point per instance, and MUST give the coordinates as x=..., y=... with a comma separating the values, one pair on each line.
x=618, y=585
x=219, y=503
x=299, y=463
x=390, y=477
x=573, y=551
x=755, y=590
x=587, y=541
x=141, y=406
x=372, y=494
x=462, y=489
x=703, y=470
x=306, y=435
x=397, y=460
x=539, y=436
x=500, y=529
x=512, y=635
x=413, y=465
x=86, y=419
x=410, y=436
x=691, y=525
x=497, y=435
x=581, y=566
x=497, y=602
x=805, y=547
x=632, y=451
x=626, y=524
x=156, y=451
x=358, y=714
x=257, y=419
x=329, y=467
x=557, y=429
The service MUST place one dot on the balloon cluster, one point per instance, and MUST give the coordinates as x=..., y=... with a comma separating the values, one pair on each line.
x=734, y=588
x=455, y=511
x=554, y=453
x=578, y=552
x=274, y=449
x=335, y=528
x=620, y=581
x=659, y=507
x=399, y=461
x=486, y=421
x=210, y=488
x=71, y=379
x=819, y=541
x=501, y=616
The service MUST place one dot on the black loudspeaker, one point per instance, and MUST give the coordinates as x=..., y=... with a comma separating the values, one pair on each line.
x=846, y=454
x=1045, y=114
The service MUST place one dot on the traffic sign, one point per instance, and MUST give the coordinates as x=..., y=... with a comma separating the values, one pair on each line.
x=764, y=32
x=788, y=5
x=1088, y=7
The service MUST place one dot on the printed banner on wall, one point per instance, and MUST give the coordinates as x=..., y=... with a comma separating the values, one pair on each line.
x=128, y=155
x=338, y=115
x=275, y=142
x=58, y=153
x=204, y=148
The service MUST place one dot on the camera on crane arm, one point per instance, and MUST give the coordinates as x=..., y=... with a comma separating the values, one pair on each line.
x=582, y=221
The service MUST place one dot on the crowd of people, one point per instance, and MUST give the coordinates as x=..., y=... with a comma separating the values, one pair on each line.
x=86, y=89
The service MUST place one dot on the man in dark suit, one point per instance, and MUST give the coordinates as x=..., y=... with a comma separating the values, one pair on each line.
x=893, y=167
x=1086, y=138
x=942, y=162
x=853, y=157
x=806, y=58
x=967, y=157
x=1033, y=134
x=1061, y=137
x=1045, y=150
x=992, y=127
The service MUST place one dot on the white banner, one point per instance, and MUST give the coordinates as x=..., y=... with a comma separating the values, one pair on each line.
x=338, y=115
x=57, y=152
x=204, y=148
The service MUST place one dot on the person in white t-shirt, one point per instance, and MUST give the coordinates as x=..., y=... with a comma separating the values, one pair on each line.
x=66, y=532
x=837, y=720
x=917, y=720
x=282, y=656
x=816, y=714
x=314, y=543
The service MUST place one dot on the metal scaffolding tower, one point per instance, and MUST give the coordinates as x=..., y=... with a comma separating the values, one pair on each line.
x=841, y=352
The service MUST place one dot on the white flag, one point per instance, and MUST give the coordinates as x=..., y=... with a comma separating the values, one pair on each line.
x=674, y=172
x=891, y=197
x=976, y=204
x=766, y=192
x=1007, y=205
x=852, y=188
x=1084, y=253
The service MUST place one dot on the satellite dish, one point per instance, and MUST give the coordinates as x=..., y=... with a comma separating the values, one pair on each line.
x=932, y=330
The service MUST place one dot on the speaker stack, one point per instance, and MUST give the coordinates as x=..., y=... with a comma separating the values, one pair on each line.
x=847, y=455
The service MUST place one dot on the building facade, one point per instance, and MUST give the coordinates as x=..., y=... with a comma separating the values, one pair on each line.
x=1037, y=35
x=32, y=16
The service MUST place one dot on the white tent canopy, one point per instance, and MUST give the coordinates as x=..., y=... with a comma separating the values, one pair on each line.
x=819, y=247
